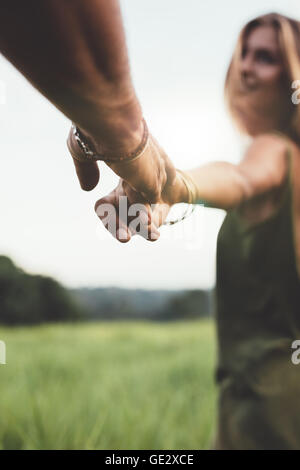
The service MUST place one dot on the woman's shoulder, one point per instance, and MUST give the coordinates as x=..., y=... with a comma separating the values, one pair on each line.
x=267, y=165
x=269, y=144
x=265, y=162
x=273, y=145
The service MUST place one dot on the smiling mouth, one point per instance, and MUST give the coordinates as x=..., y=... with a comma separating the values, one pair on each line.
x=248, y=85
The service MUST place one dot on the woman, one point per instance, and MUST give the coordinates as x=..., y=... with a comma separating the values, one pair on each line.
x=258, y=251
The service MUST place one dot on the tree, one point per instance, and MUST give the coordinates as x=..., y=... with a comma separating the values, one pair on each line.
x=27, y=299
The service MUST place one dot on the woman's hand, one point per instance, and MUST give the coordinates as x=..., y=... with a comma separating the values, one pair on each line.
x=125, y=213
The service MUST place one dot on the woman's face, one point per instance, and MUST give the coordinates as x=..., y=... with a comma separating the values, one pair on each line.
x=262, y=95
x=261, y=62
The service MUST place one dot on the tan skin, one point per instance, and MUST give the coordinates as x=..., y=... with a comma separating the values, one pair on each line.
x=74, y=52
x=256, y=184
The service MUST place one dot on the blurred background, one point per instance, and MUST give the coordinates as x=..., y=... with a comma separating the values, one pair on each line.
x=145, y=379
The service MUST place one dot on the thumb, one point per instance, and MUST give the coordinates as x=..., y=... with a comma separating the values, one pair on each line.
x=88, y=174
x=87, y=171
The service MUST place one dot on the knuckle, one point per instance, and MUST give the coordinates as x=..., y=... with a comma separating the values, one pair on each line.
x=99, y=203
x=155, y=195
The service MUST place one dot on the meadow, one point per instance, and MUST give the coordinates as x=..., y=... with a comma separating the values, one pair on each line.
x=108, y=385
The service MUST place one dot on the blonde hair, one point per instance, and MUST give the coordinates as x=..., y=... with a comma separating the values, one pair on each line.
x=288, y=31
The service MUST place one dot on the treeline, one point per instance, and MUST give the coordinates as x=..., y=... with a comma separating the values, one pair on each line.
x=158, y=305
x=27, y=299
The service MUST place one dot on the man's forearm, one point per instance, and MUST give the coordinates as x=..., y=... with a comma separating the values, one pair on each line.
x=74, y=52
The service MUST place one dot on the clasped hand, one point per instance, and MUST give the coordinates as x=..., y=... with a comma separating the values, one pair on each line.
x=148, y=187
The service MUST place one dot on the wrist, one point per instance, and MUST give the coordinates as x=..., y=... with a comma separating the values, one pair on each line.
x=178, y=191
x=111, y=129
x=189, y=190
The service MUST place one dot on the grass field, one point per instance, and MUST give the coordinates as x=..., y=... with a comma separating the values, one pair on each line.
x=108, y=386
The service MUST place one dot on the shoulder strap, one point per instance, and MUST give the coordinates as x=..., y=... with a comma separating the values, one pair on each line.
x=294, y=181
x=286, y=138
x=288, y=141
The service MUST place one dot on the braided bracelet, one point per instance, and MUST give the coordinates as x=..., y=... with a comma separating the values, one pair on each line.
x=91, y=155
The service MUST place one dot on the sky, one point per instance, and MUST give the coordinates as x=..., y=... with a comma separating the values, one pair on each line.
x=179, y=53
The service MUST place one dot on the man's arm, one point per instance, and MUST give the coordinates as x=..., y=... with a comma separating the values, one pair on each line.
x=74, y=52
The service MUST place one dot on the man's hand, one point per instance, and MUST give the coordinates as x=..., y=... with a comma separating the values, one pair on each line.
x=147, y=175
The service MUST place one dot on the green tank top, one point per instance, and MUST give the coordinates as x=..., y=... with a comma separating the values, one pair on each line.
x=257, y=297
x=258, y=318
